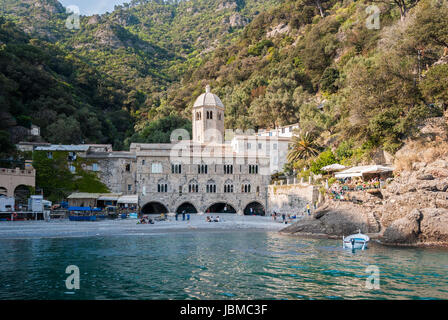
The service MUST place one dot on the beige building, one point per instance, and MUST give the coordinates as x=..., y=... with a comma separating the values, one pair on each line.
x=214, y=171
x=203, y=174
x=16, y=182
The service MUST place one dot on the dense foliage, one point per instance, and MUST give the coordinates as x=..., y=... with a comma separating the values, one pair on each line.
x=353, y=89
x=57, y=182
x=47, y=86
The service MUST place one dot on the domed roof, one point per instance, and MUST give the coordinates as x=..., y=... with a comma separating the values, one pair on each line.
x=208, y=99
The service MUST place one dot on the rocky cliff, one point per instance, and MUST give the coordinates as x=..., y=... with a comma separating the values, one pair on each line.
x=410, y=210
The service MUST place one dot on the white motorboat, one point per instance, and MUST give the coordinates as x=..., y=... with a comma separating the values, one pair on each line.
x=356, y=241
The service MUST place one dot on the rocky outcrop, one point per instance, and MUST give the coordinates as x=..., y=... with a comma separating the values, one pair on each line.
x=404, y=230
x=411, y=210
x=278, y=30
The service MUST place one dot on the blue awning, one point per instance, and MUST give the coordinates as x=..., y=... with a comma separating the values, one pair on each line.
x=79, y=209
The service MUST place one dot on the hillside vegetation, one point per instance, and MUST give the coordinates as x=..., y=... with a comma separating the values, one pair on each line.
x=353, y=89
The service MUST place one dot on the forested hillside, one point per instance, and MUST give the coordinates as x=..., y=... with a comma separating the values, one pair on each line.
x=47, y=86
x=140, y=49
x=131, y=74
x=349, y=86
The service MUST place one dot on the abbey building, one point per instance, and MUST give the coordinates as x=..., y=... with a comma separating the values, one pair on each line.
x=215, y=170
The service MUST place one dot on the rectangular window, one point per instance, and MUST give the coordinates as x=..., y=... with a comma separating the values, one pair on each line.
x=249, y=146
x=260, y=146
x=143, y=162
x=156, y=168
x=128, y=167
x=129, y=187
x=275, y=146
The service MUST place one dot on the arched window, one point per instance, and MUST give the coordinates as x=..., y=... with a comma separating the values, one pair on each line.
x=211, y=186
x=210, y=115
x=193, y=186
x=245, y=187
x=228, y=186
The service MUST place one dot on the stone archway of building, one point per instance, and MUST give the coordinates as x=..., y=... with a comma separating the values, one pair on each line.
x=154, y=207
x=3, y=192
x=257, y=209
x=21, y=194
x=188, y=207
x=221, y=207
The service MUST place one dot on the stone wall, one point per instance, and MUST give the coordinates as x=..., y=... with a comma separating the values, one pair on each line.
x=117, y=171
x=291, y=198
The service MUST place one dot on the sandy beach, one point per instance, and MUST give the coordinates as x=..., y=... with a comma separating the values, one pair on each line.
x=67, y=229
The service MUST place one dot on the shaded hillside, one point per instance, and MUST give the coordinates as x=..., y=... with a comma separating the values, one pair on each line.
x=145, y=45
x=41, y=83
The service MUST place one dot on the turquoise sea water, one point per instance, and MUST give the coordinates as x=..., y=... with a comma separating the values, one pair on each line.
x=216, y=265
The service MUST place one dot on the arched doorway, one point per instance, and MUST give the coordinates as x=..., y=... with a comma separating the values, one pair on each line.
x=188, y=207
x=21, y=194
x=154, y=208
x=3, y=192
x=221, y=207
x=254, y=208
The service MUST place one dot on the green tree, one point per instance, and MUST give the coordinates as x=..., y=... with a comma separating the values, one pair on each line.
x=302, y=147
x=324, y=159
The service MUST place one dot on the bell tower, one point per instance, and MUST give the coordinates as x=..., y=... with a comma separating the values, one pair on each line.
x=208, y=118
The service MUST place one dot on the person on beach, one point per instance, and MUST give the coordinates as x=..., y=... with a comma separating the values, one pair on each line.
x=284, y=217
x=183, y=215
x=308, y=209
x=177, y=216
x=188, y=217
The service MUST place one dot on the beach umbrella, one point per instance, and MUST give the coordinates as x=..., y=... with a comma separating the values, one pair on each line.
x=333, y=167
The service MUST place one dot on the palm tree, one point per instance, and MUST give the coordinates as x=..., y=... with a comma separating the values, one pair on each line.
x=302, y=148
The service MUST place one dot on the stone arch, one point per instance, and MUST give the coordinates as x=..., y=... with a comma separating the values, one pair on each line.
x=221, y=207
x=21, y=194
x=188, y=207
x=154, y=207
x=257, y=209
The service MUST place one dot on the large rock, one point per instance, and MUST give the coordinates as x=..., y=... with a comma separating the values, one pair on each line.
x=333, y=221
x=404, y=230
x=434, y=225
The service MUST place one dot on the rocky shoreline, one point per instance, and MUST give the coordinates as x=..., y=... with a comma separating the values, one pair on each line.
x=412, y=210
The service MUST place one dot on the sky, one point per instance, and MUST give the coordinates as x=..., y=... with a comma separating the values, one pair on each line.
x=89, y=7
